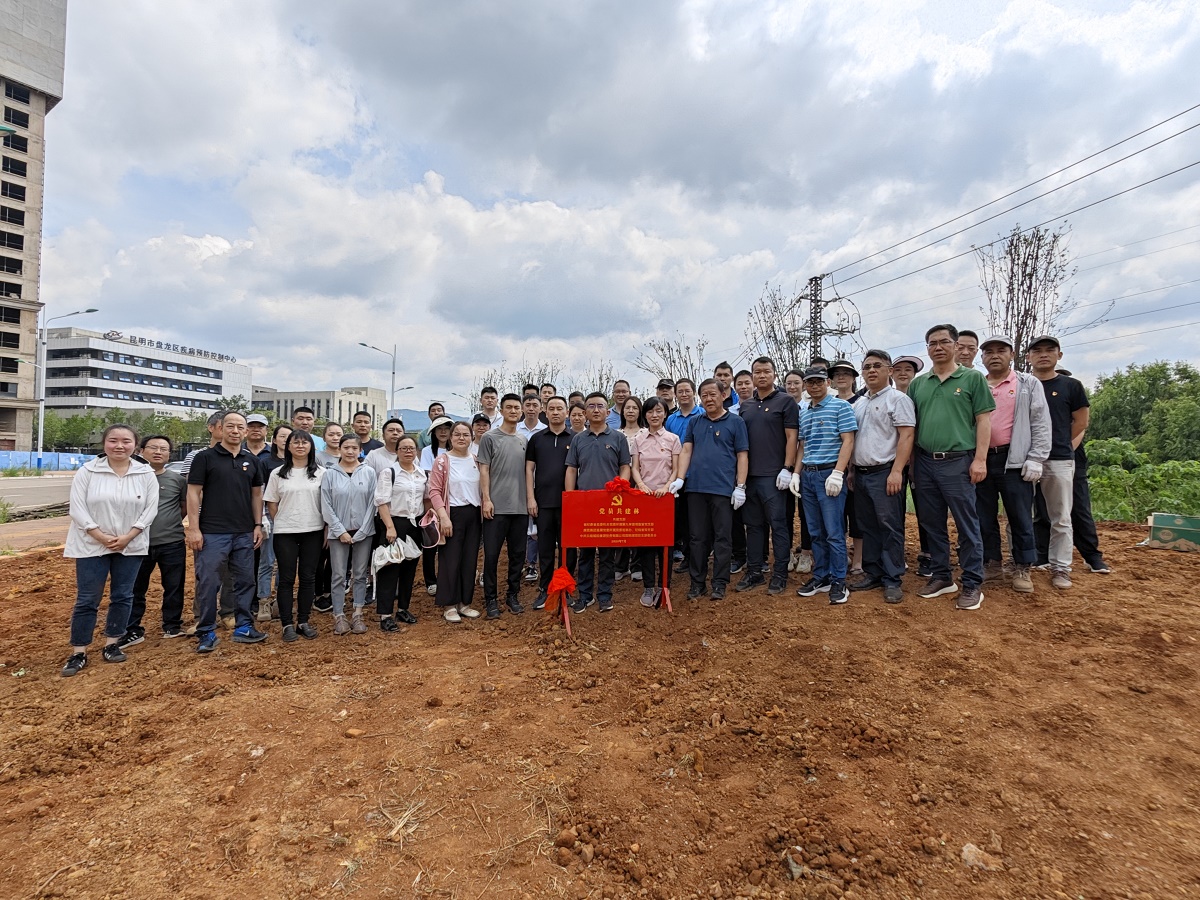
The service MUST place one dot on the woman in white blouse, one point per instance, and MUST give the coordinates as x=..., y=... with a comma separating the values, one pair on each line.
x=400, y=497
x=454, y=494
x=114, y=498
x=293, y=498
x=348, y=506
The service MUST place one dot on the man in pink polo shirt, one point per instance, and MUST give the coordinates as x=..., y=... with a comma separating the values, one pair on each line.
x=1019, y=444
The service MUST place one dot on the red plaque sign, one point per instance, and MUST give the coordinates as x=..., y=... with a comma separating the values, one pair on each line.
x=617, y=519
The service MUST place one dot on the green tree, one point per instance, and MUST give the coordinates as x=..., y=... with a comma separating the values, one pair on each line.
x=1172, y=430
x=236, y=403
x=1125, y=402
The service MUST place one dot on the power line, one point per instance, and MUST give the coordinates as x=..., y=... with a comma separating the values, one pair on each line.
x=1005, y=212
x=1138, y=256
x=1018, y=190
x=1147, y=312
x=1118, y=337
x=1024, y=230
x=1142, y=241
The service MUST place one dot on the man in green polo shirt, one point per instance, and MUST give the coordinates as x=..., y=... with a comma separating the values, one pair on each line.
x=954, y=408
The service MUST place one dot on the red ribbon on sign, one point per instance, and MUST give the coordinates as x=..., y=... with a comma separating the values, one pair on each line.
x=618, y=485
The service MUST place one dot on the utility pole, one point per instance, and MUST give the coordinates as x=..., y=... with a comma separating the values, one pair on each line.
x=816, y=331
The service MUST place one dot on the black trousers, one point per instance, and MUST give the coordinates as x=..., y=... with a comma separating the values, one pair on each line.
x=653, y=573
x=710, y=517
x=549, y=526
x=683, y=540
x=394, y=583
x=881, y=517
x=459, y=557
x=171, y=560
x=500, y=529
x=299, y=556
x=428, y=563
x=1007, y=485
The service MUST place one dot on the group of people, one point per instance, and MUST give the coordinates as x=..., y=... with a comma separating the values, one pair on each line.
x=743, y=454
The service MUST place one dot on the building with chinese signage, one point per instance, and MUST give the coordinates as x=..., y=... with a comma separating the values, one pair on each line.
x=33, y=39
x=90, y=370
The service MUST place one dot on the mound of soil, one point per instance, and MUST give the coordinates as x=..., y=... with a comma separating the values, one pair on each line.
x=757, y=747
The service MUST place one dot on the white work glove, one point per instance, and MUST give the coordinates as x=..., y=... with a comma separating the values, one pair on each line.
x=794, y=484
x=675, y=486
x=266, y=527
x=1031, y=471
x=739, y=497
x=833, y=484
x=783, y=480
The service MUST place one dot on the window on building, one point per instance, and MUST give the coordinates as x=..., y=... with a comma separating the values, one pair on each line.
x=15, y=191
x=16, y=117
x=9, y=340
x=106, y=356
x=8, y=214
x=12, y=241
x=16, y=92
x=11, y=265
x=10, y=315
x=16, y=142
x=8, y=365
x=8, y=289
x=8, y=388
x=14, y=167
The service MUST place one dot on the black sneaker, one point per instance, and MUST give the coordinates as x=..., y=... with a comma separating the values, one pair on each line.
x=814, y=586
x=718, y=592
x=750, y=580
x=323, y=604
x=695, y=591
x=406, y=617
x=387, y=623
x=303, y=629
x=76, y=663
x=681, y=566
x=838, y=594
x=777, y=585
x=133, y=637
x=493, y=609
x=893, y=594
x=970, y=598
x=865, y=584
x=736, y=566
x=208, y=642
x=578, y=605
x=514, y=606
x=112, y=653
x=172, y=631
x=1100, y=568
x=606, y=604
x=540, y=602
x=924, y=566
x=289, y=633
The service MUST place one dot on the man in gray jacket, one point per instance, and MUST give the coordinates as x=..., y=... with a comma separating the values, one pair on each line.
x=1020, y=443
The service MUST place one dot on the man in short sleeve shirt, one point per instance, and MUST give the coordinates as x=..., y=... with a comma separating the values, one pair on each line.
x=501, y=461
x=596, y=456
x=954, y=424
x=714, y=461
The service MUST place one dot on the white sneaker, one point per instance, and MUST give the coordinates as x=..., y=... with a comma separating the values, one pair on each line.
x=451, y=615
x=467, y=612
x=431, y=590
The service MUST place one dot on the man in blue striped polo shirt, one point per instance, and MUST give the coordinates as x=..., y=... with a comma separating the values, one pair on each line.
x=827, y=427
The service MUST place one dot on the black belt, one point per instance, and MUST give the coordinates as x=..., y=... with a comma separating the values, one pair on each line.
x=948, y=454
x=871, y=470
x=1003, y=448
x=820, y=468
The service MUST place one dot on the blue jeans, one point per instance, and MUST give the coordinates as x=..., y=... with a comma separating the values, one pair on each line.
x=880, y=516
x=826, y=517
x=944, y=485
x=1005, y=484
x=266, y=568
x=90, y=575
x=236, y=551
x=765, y=510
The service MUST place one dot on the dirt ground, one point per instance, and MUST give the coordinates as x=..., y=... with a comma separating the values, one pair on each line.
x=654, y=755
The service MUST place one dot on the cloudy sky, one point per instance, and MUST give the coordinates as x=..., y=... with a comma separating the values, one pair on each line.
x=488, y=183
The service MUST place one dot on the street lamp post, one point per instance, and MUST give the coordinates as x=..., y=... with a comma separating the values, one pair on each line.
x=40, y=375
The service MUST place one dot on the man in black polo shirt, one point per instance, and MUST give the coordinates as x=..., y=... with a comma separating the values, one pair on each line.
x=224, y=503
x=595, y=457
x=545, y=481
x=772, y=422
x=361, y=423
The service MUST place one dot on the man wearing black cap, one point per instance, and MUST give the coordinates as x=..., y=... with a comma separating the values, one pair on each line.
x=954, y=422
x=1069, y=411
x=665, y=391
x=1019, y=445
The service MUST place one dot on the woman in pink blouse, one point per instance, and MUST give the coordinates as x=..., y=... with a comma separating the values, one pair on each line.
x=655, y=452
x=455, y=496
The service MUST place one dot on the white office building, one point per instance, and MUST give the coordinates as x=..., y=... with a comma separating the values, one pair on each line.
x=33, y=35
x=332, y=406
x=89, y=370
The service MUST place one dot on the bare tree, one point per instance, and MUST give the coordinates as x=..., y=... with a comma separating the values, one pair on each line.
x=673, y=358
x=776, y=327
x=511, y=382
x=1024, y=277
